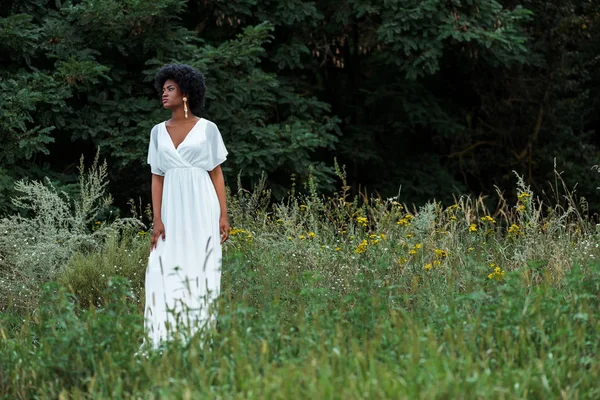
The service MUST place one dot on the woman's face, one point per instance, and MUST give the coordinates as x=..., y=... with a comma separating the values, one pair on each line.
x=171, y=95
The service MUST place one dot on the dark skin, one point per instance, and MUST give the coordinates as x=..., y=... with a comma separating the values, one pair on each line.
x=178, y=128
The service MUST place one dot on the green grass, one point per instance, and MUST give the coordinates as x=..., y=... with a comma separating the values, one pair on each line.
x=336, y=299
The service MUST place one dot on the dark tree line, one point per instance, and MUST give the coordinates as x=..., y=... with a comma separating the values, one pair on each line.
x=438, y=97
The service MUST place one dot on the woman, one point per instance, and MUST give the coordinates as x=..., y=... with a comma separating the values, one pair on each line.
x=189, y=208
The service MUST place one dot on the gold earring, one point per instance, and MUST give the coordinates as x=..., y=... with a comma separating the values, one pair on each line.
x=185, y=106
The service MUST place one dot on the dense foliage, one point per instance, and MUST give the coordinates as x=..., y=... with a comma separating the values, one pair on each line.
x=435, y=97
x=341, y=298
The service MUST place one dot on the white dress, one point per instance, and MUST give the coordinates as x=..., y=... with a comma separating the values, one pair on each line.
x=184, y=271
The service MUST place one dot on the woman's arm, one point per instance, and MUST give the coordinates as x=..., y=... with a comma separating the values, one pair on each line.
x=158, y=227
x=216, y=175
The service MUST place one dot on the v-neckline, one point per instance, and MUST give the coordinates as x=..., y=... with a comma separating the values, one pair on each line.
x=184, y=138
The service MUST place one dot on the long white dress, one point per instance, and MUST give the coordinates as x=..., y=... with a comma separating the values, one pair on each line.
x=184, y=271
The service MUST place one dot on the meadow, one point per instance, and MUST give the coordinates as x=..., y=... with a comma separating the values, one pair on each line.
x=341, y=297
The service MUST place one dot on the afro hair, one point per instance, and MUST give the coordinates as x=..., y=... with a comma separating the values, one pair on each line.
x=190, y=81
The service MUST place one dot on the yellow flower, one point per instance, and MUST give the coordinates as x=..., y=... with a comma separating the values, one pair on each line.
x=427, y=267
x=452, y=218
x=498, y=274
x=418, y=246
x=440, y=253
x=412, y=252
x=303, y=207
x=338, y=248
x=473, y=228
x=236, y=231
x=98, y=223
x=521, y=207
x=409, y=235
x=382, y=236
x=302, y=237
x=372, y=236
x=487, y=218
x=402, y=260
x=453, y=207
x=470, y=249
x=402, y=222
x=362, y=221
x=311, y=234
x=523, y=196
x=514, y=230
x=289, y=238
x=362, y=247
x=436, y=263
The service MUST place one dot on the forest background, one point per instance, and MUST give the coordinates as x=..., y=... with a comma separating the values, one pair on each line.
x=432, y=98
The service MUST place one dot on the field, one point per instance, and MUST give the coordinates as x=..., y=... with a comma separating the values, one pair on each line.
x=322, y=298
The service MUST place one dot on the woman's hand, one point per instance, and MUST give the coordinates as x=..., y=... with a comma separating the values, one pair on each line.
x=157, y=230
x=224, y=228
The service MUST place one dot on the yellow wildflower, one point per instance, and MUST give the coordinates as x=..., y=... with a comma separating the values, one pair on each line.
x=440, y=253
x=498, y=274
x=487, y=218
x=470, y=249
x=409, y=235
x=418, y=246
x=427, y=267
x=436, y=263
x=303, y=207
x=412, y=252
x=362, y=221
x=338, y=248
x=302, y=237
x=473, y=228
x=311, y=234
x=362, y=247
x=402, y=222
x=402, y=260
x=514, y=230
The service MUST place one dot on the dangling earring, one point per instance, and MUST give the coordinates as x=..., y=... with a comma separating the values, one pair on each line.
x=185, y=106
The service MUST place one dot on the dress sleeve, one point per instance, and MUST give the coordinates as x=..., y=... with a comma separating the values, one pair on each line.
x=217, y=153
x=153, y=153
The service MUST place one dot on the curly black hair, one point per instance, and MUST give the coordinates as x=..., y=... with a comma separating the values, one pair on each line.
x=190, y=81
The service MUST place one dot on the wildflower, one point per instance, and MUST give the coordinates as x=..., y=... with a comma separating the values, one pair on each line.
x=498, y=274
x=362, y=247
x=236, y=231
x=402, y=222
x=427, y=267
x=523, y=196
x=487, y=218
x=338, y=248
x=289, y=238
x=418, y=246
x=302, y=237
x=409, y=235
x=514, y=230
x=453, y=207
x=303, y=207
x=473, y=228
x=279, y=221
x=412, y=252
x=372, y=236
x=409, y=217
x=98, y=223
x=382, y=236
x=362, y=221
x=402, y=260
x=440, y=253
x=311, y=234
x=437, y=263
x=452, y=218
x=470, y=249
x=521, y=207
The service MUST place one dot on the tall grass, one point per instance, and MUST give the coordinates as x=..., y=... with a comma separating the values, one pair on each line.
x=338, y=297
